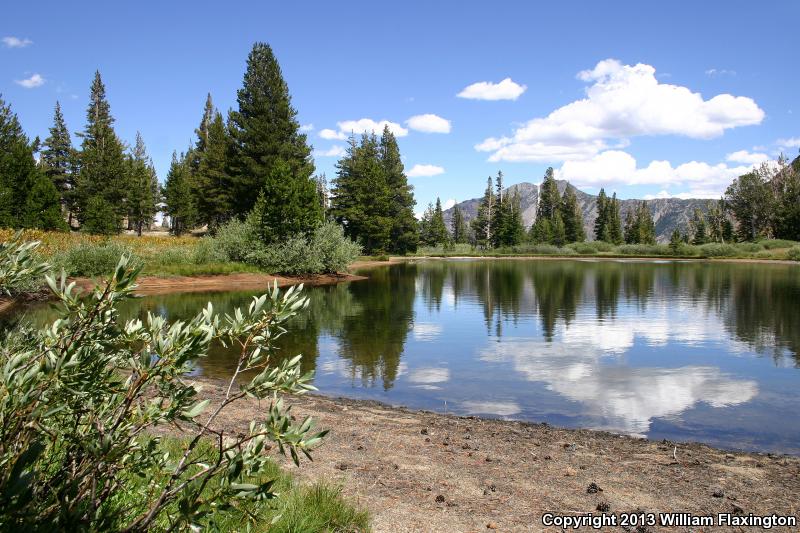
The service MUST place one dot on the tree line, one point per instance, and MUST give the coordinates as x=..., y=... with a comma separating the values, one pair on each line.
x=258, y=155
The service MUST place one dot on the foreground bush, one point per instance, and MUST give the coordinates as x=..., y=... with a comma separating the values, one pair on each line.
x=79, y=401
x=794, y=253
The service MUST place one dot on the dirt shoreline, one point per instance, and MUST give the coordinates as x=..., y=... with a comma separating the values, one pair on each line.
x=423, y=471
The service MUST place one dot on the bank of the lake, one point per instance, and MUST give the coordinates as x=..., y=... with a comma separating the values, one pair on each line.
x=423, y=471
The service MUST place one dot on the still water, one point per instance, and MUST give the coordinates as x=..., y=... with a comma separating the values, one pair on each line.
x=676, y=350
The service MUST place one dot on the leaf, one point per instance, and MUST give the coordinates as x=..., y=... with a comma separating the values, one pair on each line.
x=196, y=409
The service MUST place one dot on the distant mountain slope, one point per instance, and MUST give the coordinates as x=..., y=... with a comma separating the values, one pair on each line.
x=668, y=213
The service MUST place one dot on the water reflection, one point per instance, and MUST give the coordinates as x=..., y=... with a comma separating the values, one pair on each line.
x=637, y=347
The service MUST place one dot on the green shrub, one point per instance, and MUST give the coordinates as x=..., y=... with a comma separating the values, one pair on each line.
x=794, y=253
x=82, y=398
x=717, y=249
x=749, y=247
x=583, y=248
x=332, y=248
x=542, y=249
x=93, y=259
x=235, y=240
x=208, y=251
x=644, y=249
x=603, y=246
x=20, y=268
x=772, y=244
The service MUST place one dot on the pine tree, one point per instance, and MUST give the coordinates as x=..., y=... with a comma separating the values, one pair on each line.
x=28, y=199
x=179, y=197
x=212, y=185
x=572, y=216
x=614, y=221
x=675, y=241
x=290, y=206
x=403, y=234
x=438, y=229
x=699, y=228
x=103, y=176
x=786, y=185
x=515, y=226
x=58, y=161
x=482, y=223
x=500, y=214
x=144, y=193
x=425, y=226
x=458, y=227
x=631, y=228
x=559, y=231
x=267, y=145
x=600, y=223
x=541, y=232
x=549, y=198
x=361, y=198
x=751, y=201
x=646, y=228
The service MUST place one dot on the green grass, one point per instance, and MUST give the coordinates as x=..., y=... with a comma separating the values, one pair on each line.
x=317, y=507
x=765, y=249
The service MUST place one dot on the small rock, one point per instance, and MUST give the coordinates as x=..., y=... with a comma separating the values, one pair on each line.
x=427, y=439
x=569, y=472
x=360, y=447
x=717, y=492
x=423, y=431
x=603, y=507
x=593, y=488
x=342, y=466
x=488, y=459
x=465, y=446
x=547, y=458
x=729, y=457
x=439, y=499
x=491, y=525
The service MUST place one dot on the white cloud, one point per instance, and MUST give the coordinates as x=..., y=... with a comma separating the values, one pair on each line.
x=622, y=101
x=418, y=171
x=16, y=42
x=307, y=127
x=487, y=90
x=29, y=83
x=490, y=408
x=429, y=123
x=363, y=125
x=450, y=202
x=793, y=142
x=747, y=158
x=427, y=331
x=367, y=125
x=491, y=144
x=429, y=375
x=332, y=135
x=618, y=167
x=714, y=72
x=333, y=151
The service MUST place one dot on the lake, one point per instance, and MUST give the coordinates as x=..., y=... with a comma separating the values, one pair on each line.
x=694, y=351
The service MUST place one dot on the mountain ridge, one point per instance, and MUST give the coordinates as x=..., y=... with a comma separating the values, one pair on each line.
x=668, y=213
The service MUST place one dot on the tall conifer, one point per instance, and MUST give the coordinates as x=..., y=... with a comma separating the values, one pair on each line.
x=102, y=183
x=269, y=153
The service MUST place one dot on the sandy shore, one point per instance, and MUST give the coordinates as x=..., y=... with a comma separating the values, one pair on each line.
x=421, y=471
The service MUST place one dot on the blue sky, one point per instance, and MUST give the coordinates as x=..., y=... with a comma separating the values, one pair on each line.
x=645, y=98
